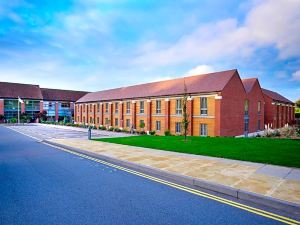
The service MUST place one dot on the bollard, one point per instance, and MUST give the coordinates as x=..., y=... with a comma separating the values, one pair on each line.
x=90, y=133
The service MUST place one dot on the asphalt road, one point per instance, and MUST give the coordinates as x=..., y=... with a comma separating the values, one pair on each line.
x=40, y=184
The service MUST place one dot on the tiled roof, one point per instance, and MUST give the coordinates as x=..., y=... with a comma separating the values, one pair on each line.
x=275, y=96
x=212, y=82
x=61, y=95
x=25, y=91
x=249, y=83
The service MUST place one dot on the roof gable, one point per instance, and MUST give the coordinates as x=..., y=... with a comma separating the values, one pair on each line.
x=249, y=84
x=276, y=96
x=212, y=82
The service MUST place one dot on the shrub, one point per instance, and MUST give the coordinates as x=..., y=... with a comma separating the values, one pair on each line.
x=167, y=133
x=13, y=120
x=152, y=132
x=102, y=127
x=111, y=128
x=142, y=132
x=288, y=131
x=276, y=133
x=117, y=129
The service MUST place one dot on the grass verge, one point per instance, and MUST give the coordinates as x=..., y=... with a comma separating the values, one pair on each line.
x=284, y=152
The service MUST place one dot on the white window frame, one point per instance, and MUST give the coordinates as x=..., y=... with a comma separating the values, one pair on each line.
x=128, y=107
x=203, y=130
x=127, y=122
x=106, y=107
x=116, y=122
x=116, y=107
x=158, y=106
x=177, y=127
x=203, y=106
x=142, y=109
x=158, y=125
x=178, y=107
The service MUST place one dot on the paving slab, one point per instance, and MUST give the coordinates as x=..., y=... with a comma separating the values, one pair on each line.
x=272, y=181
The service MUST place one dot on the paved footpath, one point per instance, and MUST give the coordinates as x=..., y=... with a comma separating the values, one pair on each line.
x=274, y=181
x=40, y=184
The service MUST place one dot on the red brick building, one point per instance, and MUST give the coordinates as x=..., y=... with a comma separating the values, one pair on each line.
x=278, y=109
x=219, y=104
x=57, y=103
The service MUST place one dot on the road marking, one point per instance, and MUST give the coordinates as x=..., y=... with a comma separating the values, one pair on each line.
x=187, y=189
x=260, y=212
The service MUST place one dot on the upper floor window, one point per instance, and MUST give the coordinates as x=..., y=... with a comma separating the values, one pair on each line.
x=98, y=107
x=203, y=105
x=106, y=107
x=246, y=107
x=84, y=108
x=178, y=106
x=128, y=107
x=259, y=107
x=142, y=106
x=91, y=108
x=158, y=106
x=116, y=107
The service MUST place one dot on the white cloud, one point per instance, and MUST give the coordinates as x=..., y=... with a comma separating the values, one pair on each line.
x=201, y=69
x=296, y=76
x=269, y=23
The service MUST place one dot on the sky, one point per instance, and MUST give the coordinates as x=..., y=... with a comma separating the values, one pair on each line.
x=93, y=45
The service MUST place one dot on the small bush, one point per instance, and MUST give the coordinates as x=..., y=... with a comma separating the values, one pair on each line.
x=117, y=129
x=142, y=132
x=111, y=128
x=152, y=132
x=102, y=127
x=276, y=133
x=167, y=133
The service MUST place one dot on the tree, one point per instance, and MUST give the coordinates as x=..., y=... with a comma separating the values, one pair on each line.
x=142, y=125
x=41, y=115
x=185, y=120
x=298, y=103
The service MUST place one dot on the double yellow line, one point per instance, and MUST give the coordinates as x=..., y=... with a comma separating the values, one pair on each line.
x=190, y=190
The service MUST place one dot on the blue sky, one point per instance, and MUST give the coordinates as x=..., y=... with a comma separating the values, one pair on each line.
x=100, y=44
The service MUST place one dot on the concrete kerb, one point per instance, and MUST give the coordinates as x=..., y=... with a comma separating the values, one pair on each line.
x=196, y=183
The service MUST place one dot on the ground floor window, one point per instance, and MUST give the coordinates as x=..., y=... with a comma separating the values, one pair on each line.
x=258, y=125
x=97, y=119
x=158, y=125
x=91, y=120
x=203, y=129
x=106, y=121
x=83, y=119
x=127, y=122
x=116, y=122
x=78, y=119
x=178, y=127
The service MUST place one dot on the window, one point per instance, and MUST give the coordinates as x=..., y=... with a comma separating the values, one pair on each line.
x=78, y=118
x=178, y=127
x=116, y=107
x=116, y=122
x=98, y=107
x=127, y=107
x=65, y=104
x=97, y=119
x=142, y=107
x=87, y=108
x=203, y=105
x=158, y=107
x=83, y=108
x=106, y=121
x=158, y=125
x=127, y=122
x=246, y=107
x=258, y=125
x=178, y=106
x=203, y=129
x=83, y=119
x=106, y=107
x=91, y=108
x=259, y=107
x=91, y=120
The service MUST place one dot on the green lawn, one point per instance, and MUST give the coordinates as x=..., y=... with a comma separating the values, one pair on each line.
x=283, y=152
